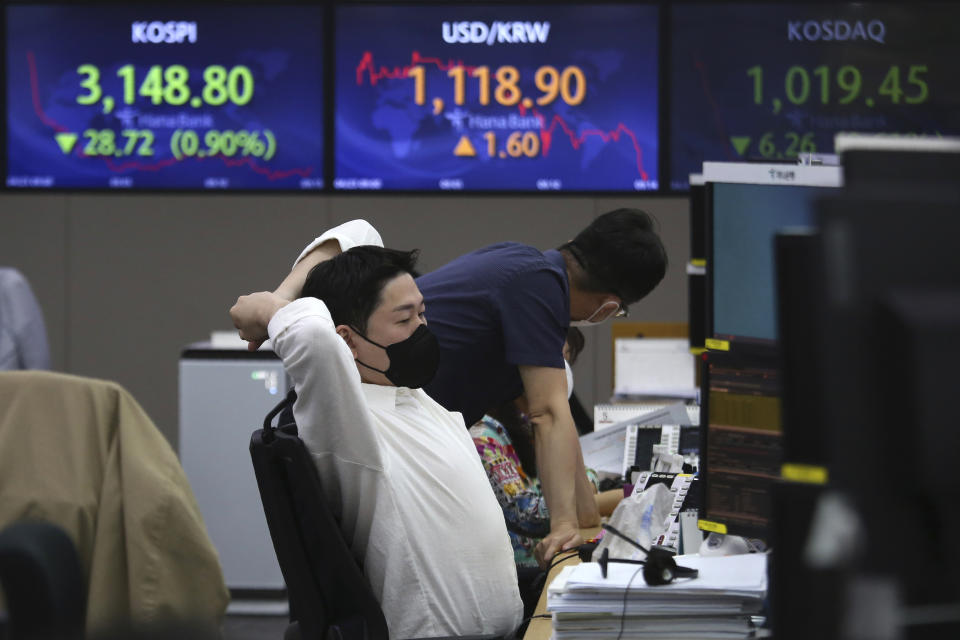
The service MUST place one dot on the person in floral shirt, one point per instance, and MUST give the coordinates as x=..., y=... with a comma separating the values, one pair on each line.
x=517, y=489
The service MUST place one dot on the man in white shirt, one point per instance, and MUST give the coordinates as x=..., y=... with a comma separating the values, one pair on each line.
x=399, y=470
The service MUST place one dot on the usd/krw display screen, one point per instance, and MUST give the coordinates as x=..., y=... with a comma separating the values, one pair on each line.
x=164, y=97
x=772, y=81
x=536, y=97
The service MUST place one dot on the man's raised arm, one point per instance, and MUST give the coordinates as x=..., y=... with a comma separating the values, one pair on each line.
x=333, y=242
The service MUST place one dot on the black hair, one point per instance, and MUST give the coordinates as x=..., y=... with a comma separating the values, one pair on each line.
x=576, y=342
x=350, y=284
x=520, y=430
x=620, y=253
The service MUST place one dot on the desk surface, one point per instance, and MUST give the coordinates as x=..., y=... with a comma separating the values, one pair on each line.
x=542, y=628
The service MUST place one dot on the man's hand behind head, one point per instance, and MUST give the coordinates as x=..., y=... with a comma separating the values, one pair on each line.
x=251, y=314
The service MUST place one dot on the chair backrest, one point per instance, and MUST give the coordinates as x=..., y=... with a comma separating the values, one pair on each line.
x=329, y=597
x=43, y=582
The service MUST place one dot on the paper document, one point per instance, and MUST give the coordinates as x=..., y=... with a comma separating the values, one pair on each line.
x=603, y=451
x=607, y=415
x=655, y=367
x=717, y=604
x=744, y=574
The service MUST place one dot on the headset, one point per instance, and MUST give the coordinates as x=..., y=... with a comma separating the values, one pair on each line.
x=659, y=567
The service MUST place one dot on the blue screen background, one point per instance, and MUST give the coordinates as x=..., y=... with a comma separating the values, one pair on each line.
x=745, y=219
x=281, y=46
x=608, y=142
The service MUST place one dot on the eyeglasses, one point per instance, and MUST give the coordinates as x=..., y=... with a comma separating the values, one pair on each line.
x=622, y=311
x=605, y=312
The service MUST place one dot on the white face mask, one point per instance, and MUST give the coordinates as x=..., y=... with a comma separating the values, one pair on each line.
x=569, y=379
x=603, y=312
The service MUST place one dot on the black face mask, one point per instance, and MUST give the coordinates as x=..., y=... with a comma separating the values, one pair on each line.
x=413, y=362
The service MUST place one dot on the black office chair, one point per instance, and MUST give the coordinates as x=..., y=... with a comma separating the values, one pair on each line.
x=43, y=583
x=329, y=597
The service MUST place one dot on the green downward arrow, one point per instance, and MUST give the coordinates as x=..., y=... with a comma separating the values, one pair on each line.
x=740, y=143
x=66, y=141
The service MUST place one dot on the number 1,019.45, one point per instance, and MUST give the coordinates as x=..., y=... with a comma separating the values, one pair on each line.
x=845, y=84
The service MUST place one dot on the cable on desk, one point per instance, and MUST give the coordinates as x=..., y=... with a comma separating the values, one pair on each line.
x=571, y=553
x=522, y=629
x=540, y=582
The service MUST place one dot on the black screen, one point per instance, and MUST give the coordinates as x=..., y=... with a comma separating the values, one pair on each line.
x=776, y=80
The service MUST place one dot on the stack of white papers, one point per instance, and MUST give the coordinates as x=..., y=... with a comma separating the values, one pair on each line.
x=717, y=604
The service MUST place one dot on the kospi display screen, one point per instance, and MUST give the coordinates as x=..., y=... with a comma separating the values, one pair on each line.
x=178, y=96
x=507, y=97
x=775, y=80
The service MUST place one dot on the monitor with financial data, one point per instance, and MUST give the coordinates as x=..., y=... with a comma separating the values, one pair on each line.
x=742, y=454
x=742, y=440
x=164, y=96
x=497, y=97
x=775, y=80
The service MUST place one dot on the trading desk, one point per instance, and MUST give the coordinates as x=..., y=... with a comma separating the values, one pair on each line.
x=542, y=628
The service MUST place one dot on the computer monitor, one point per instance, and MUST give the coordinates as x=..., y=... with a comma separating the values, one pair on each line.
x=496, y=97
x=886, y=342
x=884, y=161
x=747, y=204
x=770, y=80
x=885, y=167
x=698, y=247
x=697, y=309
x=798, y=277
x=696, y=268
x=163, y=96
x=878, y=252
x=741, y=452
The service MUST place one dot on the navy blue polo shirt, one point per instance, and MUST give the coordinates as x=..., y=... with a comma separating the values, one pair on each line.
x=494, y=309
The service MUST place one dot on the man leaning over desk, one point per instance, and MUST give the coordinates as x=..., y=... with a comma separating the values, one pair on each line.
x=501, y=315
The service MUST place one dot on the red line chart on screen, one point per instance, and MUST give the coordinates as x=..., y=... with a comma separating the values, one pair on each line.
x=367, y=71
